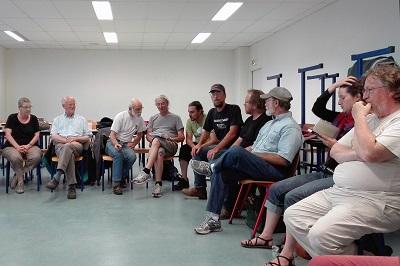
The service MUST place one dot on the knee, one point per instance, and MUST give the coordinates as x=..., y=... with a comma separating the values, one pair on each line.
x=290, y=199
x=319, y=242
x=155, y=142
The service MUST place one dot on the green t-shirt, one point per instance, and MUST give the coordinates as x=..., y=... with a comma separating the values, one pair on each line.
x=195, y=128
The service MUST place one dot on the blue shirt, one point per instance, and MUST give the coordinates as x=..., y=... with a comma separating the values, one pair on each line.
x=74, y=126
x=281, y=135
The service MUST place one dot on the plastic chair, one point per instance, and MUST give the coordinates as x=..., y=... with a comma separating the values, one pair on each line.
x=240, y=200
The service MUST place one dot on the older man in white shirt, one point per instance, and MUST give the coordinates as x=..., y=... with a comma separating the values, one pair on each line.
x=69, y=132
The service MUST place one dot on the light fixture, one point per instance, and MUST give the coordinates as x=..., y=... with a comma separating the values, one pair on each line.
x=15, y=35
x=201, y=37
x=226, y=11
x=111, y=37
x=102, y=10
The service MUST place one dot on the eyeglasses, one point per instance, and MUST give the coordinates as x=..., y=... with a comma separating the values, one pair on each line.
x=366, y=91
x=26, y=107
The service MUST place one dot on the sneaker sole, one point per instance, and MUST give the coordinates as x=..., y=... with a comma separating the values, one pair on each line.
x=156, y=195
x=207, y=232
x=140, y=183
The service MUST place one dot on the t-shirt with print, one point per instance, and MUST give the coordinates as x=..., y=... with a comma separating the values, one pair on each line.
x=195, y=128
x=379, y=176
x=221, y=122
x=126, y=126
x=250, y=129
x=168, y=124
x=22, y=133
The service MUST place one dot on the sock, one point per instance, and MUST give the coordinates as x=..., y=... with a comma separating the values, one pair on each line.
x=146, y=170
x=58, y=175
x=213, y=216
x=159, y=182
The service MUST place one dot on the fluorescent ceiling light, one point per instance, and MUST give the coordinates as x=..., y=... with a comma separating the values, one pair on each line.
x=102, y=10
x=201, y=37
x=226, y=11
x=111, y=37
x=14, y=35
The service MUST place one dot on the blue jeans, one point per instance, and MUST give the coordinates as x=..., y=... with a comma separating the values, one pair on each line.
x=287, y=192
x=122, y=161
x=200, y=180
x=233, y=165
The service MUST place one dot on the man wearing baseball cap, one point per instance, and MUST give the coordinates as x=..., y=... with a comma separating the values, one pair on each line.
x=225, y=121
x=268, y=159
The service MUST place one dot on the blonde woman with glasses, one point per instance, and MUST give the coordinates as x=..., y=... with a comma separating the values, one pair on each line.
x=21, y=146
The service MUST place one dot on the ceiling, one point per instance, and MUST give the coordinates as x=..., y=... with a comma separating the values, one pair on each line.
x=147, y=24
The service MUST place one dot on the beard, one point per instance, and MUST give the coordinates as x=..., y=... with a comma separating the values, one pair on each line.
x=269, y=112
x=218, y=104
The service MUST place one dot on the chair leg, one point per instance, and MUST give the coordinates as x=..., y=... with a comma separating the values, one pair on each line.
x=102, y=175
x=236, y=204
x=8, y=166
x=39, y=176
x=260, y=214
x=241, y=206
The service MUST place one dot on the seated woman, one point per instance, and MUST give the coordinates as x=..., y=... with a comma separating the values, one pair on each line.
x=289, y=191
x=21, y=146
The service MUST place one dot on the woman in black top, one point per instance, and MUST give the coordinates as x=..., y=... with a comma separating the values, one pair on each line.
x=21, y=148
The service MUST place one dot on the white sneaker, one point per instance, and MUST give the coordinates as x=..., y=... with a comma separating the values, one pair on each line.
x=207, y=226
x=201, y=167
x=156, y=191
x=141, y=178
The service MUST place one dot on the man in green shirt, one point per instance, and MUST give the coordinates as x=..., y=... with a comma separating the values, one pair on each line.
x=194, y=126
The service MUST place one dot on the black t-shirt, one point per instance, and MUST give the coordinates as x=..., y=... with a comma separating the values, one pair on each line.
x=221, y=122
x=22, y=133
x=250, y=129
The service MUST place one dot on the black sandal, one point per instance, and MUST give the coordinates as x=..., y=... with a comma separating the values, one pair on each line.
x=249, y=244
x=291, y=261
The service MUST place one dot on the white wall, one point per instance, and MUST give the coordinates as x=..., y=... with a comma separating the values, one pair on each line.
x=2, y=85
x=329, y=36
x=104, y=81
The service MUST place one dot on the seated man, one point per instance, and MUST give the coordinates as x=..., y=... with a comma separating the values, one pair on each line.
x=225, y=120
x=164, y=131
x=268, y=159
x=69, y=132
x=365, y=198
x=120, y=145
x=194, y=126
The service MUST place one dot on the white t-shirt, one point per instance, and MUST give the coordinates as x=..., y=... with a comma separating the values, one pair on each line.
x=126, y=126
x=382, y=176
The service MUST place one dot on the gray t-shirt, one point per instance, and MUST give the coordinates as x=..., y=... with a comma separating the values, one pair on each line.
x=168, y=125
x=126, y=126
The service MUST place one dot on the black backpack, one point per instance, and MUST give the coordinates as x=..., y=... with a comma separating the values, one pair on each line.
x=104, y=122
x=170, y=172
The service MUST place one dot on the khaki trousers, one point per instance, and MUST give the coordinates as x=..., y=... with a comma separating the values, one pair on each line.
x=66, y=154
x=22, y=164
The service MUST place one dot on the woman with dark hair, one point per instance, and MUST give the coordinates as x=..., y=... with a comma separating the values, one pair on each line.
x=289, y=191
x=21, y=148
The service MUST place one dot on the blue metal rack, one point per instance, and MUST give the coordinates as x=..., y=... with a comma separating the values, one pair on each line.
x=302, y=72
x=359, y=57
x=277, y=77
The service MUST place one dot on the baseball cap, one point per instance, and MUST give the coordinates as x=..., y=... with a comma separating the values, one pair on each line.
x=280, y=93
x=217, y=87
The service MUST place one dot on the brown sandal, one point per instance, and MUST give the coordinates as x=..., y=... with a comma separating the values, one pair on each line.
x=291, y=261
x=249, y=244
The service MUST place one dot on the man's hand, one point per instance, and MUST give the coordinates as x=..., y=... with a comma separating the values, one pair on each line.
x=211, y=153
x=195, y=150
x=118, y=147
x=360, y=110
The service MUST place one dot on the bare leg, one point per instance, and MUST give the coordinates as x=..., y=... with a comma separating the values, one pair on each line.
x=159, y=163
x=271, y=222
x=184, y=167
x=288, y=250
x=153, y=153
